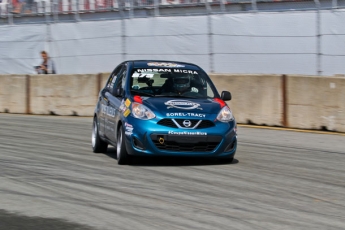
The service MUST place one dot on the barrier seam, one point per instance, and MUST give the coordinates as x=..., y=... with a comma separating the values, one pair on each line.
x=285, y=103
x=27, y=94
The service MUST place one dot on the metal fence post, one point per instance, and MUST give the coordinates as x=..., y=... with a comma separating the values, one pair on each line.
x=208, y=7
x=318, y=38
x=210, y=42
x=334, y=4
x=254, y=6
x=209, y=34
x=156, y=2
x=121, y=8
x=10, y=15
x=55, y=10
x=123, y=36
x=76, y=13
x=222, y=6
x=131, y=8
x=45, y=12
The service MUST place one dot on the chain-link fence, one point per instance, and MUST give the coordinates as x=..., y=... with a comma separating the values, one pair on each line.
x=289, y=37
x=291, y=42
x=34, y=11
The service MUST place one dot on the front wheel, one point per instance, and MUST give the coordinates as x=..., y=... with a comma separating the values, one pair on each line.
x=98, y=145
x=121, y=152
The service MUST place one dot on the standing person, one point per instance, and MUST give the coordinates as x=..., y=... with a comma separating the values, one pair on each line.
x=47, y=66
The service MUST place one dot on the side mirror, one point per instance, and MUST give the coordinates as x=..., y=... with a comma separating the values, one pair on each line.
x=226, y=96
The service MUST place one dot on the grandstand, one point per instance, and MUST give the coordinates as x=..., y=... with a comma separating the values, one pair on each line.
x=34, y=11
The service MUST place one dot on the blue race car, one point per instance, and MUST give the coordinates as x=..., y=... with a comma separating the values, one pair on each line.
x=163, y=108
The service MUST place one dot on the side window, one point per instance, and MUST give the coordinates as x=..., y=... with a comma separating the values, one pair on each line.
x=121, y=79
x=113, y=77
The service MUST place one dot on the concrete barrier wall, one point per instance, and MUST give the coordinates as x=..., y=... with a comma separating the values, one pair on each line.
x=13, y=94
x=307, y=102
x=255, y=98
x=316, y=102
x=63, y=94
x=104, y=79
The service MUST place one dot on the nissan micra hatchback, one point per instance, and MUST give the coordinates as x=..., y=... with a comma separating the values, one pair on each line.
x=163, y=108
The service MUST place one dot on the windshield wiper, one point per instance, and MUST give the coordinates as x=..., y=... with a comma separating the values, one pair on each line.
x=142, y=93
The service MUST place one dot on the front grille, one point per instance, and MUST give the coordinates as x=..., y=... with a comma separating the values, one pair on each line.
x=180, y=122
x=205, y=124
x=187, y=147
x=186, y=143
x=169, y=123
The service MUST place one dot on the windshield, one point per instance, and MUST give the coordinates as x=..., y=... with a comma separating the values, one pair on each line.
x=170, y=82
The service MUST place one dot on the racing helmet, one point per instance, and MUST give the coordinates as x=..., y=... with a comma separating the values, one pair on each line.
x=181, y=83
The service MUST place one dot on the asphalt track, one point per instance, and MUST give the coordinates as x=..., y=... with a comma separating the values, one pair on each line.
x=50, y=179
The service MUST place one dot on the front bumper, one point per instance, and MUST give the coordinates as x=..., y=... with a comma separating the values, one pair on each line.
x=147, y=138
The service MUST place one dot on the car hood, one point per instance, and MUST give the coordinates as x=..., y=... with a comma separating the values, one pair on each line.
x=167, y=106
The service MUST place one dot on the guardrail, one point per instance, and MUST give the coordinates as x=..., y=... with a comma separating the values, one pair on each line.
x=294, y=101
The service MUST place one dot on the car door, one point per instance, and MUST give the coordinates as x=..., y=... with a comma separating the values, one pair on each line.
x=115, y=99
x=105, y=113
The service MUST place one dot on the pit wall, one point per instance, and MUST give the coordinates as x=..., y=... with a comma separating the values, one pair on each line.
x=294, y=101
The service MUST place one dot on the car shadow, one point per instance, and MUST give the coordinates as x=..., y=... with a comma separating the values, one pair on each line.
x=171, y=161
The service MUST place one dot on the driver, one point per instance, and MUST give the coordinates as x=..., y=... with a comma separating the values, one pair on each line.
x=182, y=84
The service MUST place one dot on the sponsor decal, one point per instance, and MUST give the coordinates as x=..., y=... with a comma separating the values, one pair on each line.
x=141, y=71
x=112, y=81
x=128, y=125
x=107, y=110
x=128, y=129
x=186, y=115
x=127, y=103
x=165, y=64
x=182, y=104
x=146, y=72
x=188, y=133
x=185, y=71
x=126, y=113
x=122, y=106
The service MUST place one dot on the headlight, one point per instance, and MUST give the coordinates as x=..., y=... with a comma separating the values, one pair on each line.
x=142, y=112
x=225, y=115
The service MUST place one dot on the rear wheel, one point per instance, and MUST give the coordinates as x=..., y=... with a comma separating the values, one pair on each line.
x=98, y=145
x=121, y=152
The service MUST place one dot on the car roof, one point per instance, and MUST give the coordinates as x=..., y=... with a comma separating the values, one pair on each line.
x=163, y=64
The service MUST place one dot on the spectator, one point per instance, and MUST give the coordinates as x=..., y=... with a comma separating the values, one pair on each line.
x=47, y=66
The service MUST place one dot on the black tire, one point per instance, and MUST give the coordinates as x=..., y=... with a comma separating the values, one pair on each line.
x=98, y=145
x=121, y=151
